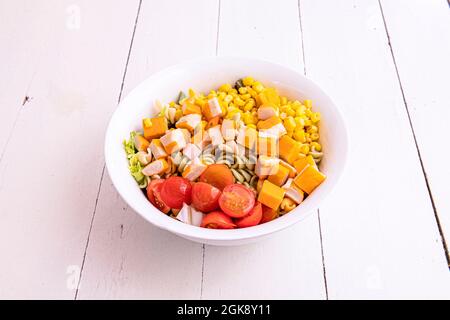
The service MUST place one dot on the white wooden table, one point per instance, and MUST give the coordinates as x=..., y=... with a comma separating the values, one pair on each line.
x=67, y=234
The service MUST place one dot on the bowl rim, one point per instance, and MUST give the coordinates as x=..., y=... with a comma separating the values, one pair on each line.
x=204, y=234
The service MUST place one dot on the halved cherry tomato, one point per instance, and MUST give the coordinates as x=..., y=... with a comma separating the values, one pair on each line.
x=236, y=200
x=175, y=191
x=219, y=175
x=205, y=197
x=268, y=214
x=217, y=220
x=252, y=219
x=154, y=195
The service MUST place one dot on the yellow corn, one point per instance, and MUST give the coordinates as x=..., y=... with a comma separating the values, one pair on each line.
x=283, y=100
x=225, y=87
x=257, y=86
x=248, y=106
x=251, y=125
x=242, y=90
x=308, y=103
x=314, y=137
x=246, y=96
x=248, y=81
x=239, y=102
x=299, y=135
x=289, y=123
x=192, y=93
x=290, y=112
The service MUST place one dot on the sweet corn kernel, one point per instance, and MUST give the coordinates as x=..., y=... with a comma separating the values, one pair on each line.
x=246, y=96
x=247, y=118
x=147, y=122
x=300, y=122
x=248, y=81
x=239, y=102
x=316, y=146
x=251, y=125
x=283, y=115
x=258, y=87
x=315, y=117
x=308, y=122
x=299, y=135
x=290, y=112
x=283, y=100
x=248, y=106
x=233, y=91
x=290, y=133
x=228, y=98
x=171, y=104
x=242, y=90
x=222, y=95
x=308, y=103
x=289, y=123
x=314, y=136
x=192, y=93
x=225, y=87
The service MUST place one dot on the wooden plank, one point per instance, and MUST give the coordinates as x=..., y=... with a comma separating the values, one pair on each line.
x=289, y=265
x=128, y=257
x=51, y=168
x=379, y=234
x=419, y=32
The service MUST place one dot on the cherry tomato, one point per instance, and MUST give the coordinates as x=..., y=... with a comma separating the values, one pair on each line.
x=268, y=214
x=252, y=219
x=175, y=191
x=217, y=220
x=205, y=197
x=236, y=200
x=154, y=195
x=219, y=175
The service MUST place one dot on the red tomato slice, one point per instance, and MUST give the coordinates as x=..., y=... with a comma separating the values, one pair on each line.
x=268, y=214
x=205, y=197
x=175, y=191
x=219, y=175
x=237, y=200
x=252, y=219
x=217, y=220
x=154, y=195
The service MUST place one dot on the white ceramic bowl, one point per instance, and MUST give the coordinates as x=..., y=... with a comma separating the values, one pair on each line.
x=204, y=75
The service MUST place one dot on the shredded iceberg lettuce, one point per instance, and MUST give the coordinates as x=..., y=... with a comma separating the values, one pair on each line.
x=130, y=149
x=135, y=166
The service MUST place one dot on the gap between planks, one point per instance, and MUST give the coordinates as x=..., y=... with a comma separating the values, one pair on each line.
x=103, y=170
x=318, y=210
x=430, y=194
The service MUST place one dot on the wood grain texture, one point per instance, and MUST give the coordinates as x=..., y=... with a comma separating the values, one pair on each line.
x=51, y=167
x=380, y=236
x=289, y=265
x=419, y=34
x=127, y=257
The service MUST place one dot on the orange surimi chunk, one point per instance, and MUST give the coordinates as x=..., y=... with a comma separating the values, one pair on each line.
x=141, y=143
x=268, y=123
x=212, y=109
x=157, y=149
x=189, y=122
x=292, y=171
x=247, y=137
x=309, y=179
x=174, y=140
x=190, y=108
x=155, y=167
x=154, y=127
x=267, y=145
x=266, y=112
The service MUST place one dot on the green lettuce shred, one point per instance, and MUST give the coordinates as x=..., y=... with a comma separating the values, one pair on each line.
x=135, y=166
x=130, y=149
